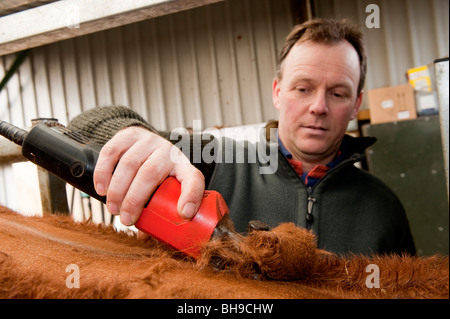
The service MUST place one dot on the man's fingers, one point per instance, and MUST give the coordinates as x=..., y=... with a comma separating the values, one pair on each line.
x=123, y=176
x=192, y=189
x=134, y=163
x=108, y=158
x=153, y=171
x=110, y=155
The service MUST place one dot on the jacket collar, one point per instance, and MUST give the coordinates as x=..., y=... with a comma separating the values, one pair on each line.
x=351, y=147
x=354, y=147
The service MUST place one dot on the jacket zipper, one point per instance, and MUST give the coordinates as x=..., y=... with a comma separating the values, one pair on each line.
x=311, y=201
x=310, y=189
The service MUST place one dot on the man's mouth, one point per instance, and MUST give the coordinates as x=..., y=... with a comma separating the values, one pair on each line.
x=313, y=127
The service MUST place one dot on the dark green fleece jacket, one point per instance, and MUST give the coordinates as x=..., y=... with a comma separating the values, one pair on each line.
x=349, y=210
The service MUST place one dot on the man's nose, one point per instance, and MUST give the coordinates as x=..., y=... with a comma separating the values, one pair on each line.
x=319, y=105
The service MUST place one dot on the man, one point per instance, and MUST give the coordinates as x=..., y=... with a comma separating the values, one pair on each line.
x=317, y=91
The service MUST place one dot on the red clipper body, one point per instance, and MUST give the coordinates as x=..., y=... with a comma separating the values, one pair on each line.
x=160, y=218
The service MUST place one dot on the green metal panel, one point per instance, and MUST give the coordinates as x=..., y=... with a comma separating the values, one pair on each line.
x=408, y=157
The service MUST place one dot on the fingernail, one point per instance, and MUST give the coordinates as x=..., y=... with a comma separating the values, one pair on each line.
x=188, y=210
x=112, y=208
x=126, y=219
x=100, y=189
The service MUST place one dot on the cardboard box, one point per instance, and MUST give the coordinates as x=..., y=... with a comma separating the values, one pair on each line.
x=392, y=104
x=426, y=98
x=427, y=103
x=420, y=78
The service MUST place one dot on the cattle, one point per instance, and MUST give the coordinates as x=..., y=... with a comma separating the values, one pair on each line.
x=55, y=257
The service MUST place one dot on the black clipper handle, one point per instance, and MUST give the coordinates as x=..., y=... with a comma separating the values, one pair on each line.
x=64, y=153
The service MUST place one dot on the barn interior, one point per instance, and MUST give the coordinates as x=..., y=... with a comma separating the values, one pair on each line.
x=176, y=62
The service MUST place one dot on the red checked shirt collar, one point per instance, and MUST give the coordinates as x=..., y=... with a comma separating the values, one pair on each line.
x=312, y=177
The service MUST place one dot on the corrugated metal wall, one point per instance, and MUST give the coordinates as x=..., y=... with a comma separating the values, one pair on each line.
x=412, y=33
x=207, y=63
x=215, y=63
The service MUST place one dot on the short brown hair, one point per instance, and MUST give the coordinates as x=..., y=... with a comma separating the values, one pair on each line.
x=328, y=31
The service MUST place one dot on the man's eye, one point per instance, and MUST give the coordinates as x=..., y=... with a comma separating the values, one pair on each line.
x=339, y=95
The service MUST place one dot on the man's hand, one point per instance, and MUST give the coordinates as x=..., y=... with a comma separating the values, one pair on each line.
x=134, y=163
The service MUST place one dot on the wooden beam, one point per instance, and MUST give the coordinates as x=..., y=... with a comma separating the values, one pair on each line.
x=53, y=193
x=67, y=19
x=12, y=6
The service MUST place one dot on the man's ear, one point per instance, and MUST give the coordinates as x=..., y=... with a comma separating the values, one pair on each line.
x=276, y=93
x=357, y=106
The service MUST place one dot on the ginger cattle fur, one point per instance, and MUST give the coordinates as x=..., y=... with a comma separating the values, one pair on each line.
x=281, y=263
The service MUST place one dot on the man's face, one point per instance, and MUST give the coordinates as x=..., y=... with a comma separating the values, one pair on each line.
x=316, y=98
